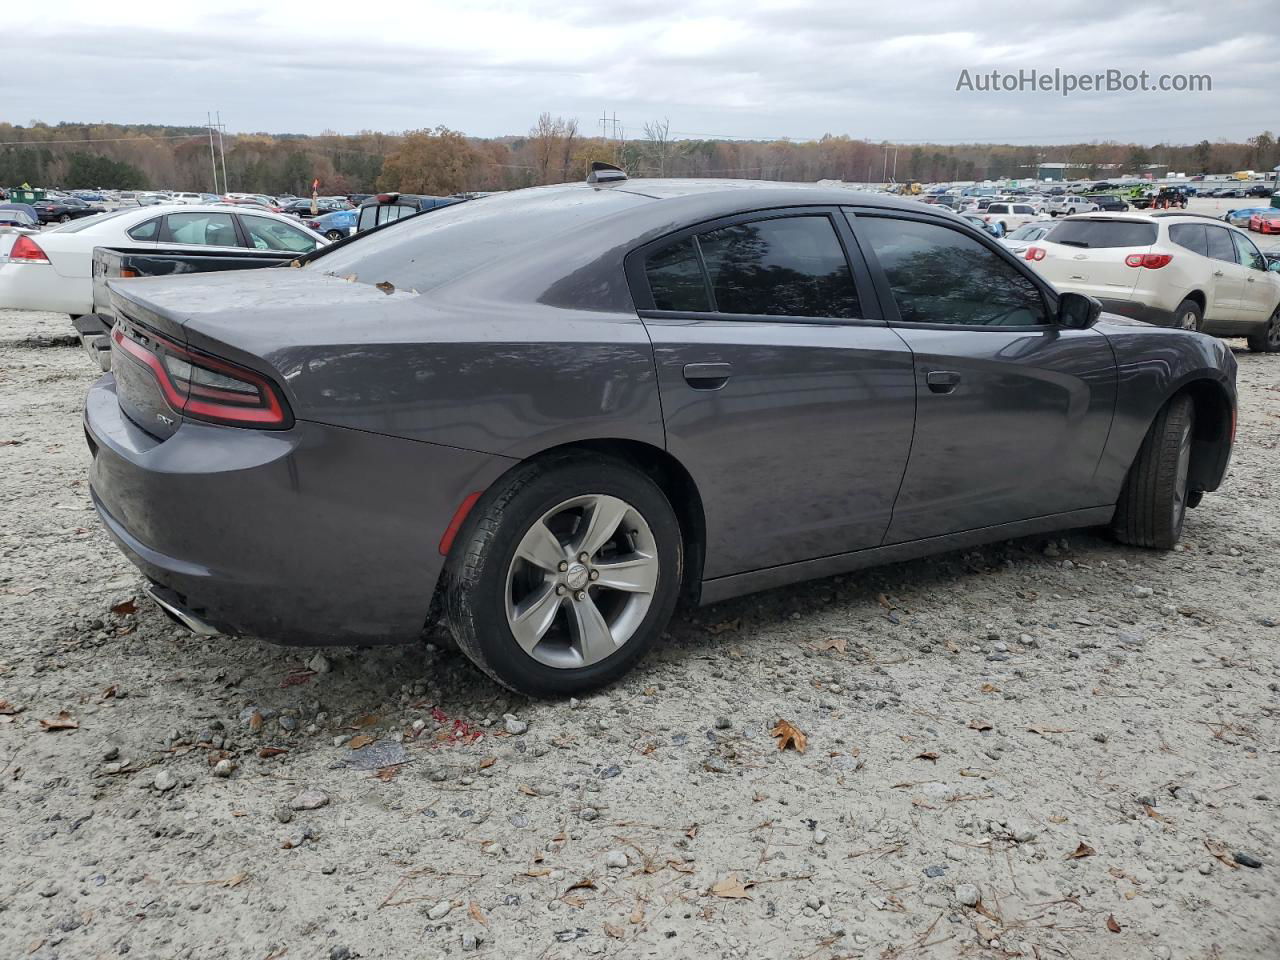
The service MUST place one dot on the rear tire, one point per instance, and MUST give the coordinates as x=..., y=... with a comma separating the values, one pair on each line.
x=1153, y=502
x=1267, y=340
x=582, y=636
x=1188, y=316
x=65, y=218
x=334, y=235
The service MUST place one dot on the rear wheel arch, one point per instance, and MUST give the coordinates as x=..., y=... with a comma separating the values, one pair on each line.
x=666, y=471
x=1197, y=297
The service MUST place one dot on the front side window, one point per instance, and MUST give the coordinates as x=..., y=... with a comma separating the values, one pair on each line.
x=266, y=234
x=939, y=275
x=1219, y=244
x=1249, y=254
x=788, y=267
x=204, y=229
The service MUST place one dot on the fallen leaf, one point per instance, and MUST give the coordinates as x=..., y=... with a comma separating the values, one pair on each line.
x=884, y=601
x=266, y=753
x=385, y=287
x=355, y=743
x=637, y=915
x=488, y=762
x=1220, y=852
x=477, y=914
x=1153, y=813
x=537, y=872
x=980, y=725
x=951, y=647
x=1111, y=923
x=1045, y=731
x=990, y=688
x=839, y=644
x=63, y=721
x=235, y=881
x=1057, y=818
x=368, y=720
x=386, y=773
x=9, y=709
x=125, y=609
x=255, y=721
x=724, y=626
x=789, y=735
x=927, y=755
x=691, y=831
x=1084, y=850
x=731, y=888
x=586, y=883
x=297, y=678
x=527, y=790
x=616, y=932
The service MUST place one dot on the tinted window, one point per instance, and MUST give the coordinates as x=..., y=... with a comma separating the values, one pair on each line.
x=1104, y=233
x=676, y=279
x=266, y=234
x=1191, y=236
x=149, y=230
x=208, y=229
x=1249, y=254
x=1219, y=244
x=998, y=208
x=1022, y=208
x=942, y=276
x=793, y=266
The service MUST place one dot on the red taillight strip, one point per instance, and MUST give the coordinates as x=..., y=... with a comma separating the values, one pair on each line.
x=271, y=415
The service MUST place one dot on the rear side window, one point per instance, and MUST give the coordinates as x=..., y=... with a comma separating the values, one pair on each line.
x=998, y=208
x=1023, y=209
x=1096, y=234
x=676, y=279
x=939, y=275
x=1191, y=236
x=1219, y=244
x=788, y=267
x=380, y=213
x=148, y=230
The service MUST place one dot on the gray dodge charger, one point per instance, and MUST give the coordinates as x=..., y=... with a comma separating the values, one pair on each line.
x=552, y=414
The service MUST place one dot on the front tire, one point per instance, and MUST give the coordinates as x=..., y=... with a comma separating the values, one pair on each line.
x=1268, y=339
x=1153, y=502
x=526, y=607
x=65, y=218
x=334, y=235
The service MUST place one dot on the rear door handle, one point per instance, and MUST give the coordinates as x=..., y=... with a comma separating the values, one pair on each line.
x=707, y=376
x=943, y=381
x=1217, y=273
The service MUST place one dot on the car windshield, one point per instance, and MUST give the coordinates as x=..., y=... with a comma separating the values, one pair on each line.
x=428, y=249
x=1104, y=233
x=1032, y=231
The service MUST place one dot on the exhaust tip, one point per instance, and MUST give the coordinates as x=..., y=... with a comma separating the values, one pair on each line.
x=169, y=602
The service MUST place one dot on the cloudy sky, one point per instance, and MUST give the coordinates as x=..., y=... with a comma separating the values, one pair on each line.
x=792, y=68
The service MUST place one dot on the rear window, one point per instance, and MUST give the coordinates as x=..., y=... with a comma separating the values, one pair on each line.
x=1104, y=233
x=84, y=223
x=429, y=250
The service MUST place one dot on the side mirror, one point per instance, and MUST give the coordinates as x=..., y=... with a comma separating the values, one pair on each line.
x=1077, y=311
x=1273, y=266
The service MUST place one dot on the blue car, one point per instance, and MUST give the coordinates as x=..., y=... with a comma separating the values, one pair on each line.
x=1240, y=218
x=335, y=225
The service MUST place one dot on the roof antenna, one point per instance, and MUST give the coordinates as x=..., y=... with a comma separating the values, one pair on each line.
x=602, y=172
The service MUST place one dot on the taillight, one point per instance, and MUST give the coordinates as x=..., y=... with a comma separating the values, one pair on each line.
x=206, y=388
x=26, y=250
x=1152, y=261
x=1034, y=253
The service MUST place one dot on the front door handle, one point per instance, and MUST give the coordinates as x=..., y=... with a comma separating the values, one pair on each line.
x=707, y=376
x=943, y=381
x=1250, y=279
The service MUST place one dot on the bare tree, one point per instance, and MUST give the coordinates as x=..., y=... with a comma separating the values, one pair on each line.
x=658, y=134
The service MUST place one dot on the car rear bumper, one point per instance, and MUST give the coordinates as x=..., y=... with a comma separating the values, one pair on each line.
x=312, y=535
x=38, y=286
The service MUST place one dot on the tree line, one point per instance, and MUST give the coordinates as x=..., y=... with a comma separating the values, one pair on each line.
x=442, y=161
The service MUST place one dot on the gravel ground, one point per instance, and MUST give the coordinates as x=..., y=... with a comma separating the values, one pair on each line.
x=1043, y=748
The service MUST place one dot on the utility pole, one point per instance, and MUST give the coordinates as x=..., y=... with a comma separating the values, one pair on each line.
x=213, y=163
x=222, y=150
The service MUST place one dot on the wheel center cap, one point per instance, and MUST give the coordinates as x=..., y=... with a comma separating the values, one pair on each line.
x=577, y=576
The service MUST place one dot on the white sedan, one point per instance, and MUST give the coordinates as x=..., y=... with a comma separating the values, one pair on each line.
x=53, y=270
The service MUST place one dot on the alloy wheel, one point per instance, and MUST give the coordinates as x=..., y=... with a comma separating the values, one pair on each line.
x=1188, y=320
x=581, y=581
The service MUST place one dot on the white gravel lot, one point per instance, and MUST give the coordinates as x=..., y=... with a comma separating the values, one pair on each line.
x=1043, y=748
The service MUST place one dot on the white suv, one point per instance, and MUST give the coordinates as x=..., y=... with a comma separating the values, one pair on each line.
x=1069, y=206
x=1009, y=214
x=1171, y=269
